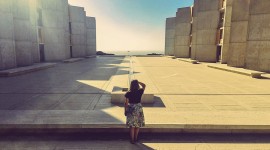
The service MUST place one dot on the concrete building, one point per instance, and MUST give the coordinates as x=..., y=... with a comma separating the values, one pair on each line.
x=170, y=36
x=249, y=47
x=91, y=44
x=33, y=31
x=235, y=32
x=7, y=45
x=183, y=33
x=78, y=31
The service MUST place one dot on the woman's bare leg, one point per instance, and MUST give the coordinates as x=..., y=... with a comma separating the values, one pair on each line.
x=132, y=133
x=136, y=133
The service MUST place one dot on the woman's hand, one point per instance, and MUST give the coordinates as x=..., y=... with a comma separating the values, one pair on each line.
x=142, y=84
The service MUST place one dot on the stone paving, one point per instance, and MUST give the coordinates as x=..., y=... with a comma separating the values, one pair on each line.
x=187, y=96
x=147, y=142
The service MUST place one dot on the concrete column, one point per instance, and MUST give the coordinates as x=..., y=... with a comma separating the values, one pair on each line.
x=206, y=30
x=194, y=29
x=78, y=31
x=226, y=31
x=170, y=36
x=258, y=47
x=7, y=45
x=54, y=25
x=239, y=31
x=182, y=32
x=22, y=32
x=33, y=30
x=91, y=36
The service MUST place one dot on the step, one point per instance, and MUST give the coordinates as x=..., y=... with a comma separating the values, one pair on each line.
x=72, y=60
x=251, y=73
x=24, y=70
x=188, y=60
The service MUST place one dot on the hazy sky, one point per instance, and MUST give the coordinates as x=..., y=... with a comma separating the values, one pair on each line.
x=131, y=24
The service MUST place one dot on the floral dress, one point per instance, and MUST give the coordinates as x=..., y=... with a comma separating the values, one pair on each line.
x=136, y=117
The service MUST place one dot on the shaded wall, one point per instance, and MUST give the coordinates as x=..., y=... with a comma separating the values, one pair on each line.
x=78, y=31
x=22, y=33
x=7, y=45
x=170, y=36
x=239, y=33
x=54, y=25
x=182, y=32
x=226, y=31
x=91, y=36
x=207, y=20
x=258, y=47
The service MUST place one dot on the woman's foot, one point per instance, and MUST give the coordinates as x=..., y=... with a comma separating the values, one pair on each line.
x=132, y=142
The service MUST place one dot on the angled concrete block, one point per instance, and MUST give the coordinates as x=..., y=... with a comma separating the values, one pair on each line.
x=182, y=40
x=224, y=53
x=181, y=51
x=195, y=8
x=237, y=54
x=91, y=34
x=21, y=9
x=239, y=31
x=240, y=11
x=7, y=54
x=193, y=52
x=228, y=16
x=90, y=22
x=170, y=33
x=259, y=28
x=206, y=37
x=259, y=7
x=183, y=29
x=208, y=20
x=183, y=15
x=91, y=50
x=54, y=52
x=6, y=6
x=170, y=23
x=23, y=53
x=78, y=28
x=206, y=53
x=77, y=14
x=54, y=36
x=35, y=52
x=206, y=5
x=22, y=30
x=6, y=26
x=78, y=51
x=226, y=35
x=78, y=39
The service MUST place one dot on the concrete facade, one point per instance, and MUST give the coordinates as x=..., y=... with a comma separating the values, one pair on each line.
x=91, y=44
x=207, y=23
x=22, y=33
x=7, y=44
x=78, y=31
x=33, y=31
x=182, y=32
x=53, y=17
x=170, y=36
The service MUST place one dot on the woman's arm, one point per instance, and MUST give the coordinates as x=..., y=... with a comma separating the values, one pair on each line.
x=143, y=85
x=126, y=102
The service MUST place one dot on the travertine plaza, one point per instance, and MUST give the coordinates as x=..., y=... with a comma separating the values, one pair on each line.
x=232, y=32
x=33, y=31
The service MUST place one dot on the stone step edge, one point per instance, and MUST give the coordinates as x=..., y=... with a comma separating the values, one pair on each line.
x=188, y=60
x=72, y=60
x=25, y=70
x=153, y=128
x=253, y=74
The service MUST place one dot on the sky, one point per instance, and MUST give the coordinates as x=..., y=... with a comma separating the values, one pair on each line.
x=127, y=25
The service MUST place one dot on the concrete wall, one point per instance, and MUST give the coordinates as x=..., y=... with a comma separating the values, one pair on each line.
x=22, y=33
x=206, y=30
x=239, y=32
x=182, y=32
x=55, y=23
x=91, y=36
x=170, y=36
x=7, y=45
x=227, y=32
x=194, y=29
x=78, y=31
x=258, y=47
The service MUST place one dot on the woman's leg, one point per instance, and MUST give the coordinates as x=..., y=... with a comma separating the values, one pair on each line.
x=136, y=133
x=132, y=133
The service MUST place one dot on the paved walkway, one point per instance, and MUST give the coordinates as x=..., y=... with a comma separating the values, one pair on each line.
x=147, y=142
x=188, y=97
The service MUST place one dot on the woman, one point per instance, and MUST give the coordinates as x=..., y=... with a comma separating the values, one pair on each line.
x=135, y=119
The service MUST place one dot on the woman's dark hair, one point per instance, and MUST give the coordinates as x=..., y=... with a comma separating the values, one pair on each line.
x=134, y=85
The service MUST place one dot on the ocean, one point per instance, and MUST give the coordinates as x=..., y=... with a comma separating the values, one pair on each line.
x=133, y=52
